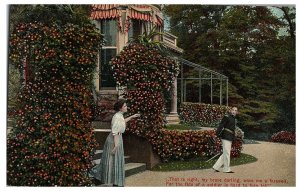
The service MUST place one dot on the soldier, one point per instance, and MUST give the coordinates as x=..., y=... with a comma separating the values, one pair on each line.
x=226, y=131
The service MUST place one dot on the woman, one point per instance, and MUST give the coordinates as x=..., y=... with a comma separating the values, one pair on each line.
x=111, y=168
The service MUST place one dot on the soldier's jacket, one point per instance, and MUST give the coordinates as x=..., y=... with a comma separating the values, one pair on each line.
x=226, y=128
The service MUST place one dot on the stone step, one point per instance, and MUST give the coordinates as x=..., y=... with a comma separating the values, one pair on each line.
x=172, y=119
x=173, y=122
x=98, y=154
x=97, y=161
x=130, y=169
x=134, y=168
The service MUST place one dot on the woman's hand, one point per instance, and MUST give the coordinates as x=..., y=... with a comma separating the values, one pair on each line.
x=136, y=115
x=132, y=117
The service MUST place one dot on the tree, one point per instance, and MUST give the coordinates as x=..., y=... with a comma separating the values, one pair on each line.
x=192, y=22
x=285, y=72
x=245, y=32
x=289, y=16
x=243, y=43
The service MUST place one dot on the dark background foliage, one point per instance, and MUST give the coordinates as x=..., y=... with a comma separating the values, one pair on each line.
x=255, y=48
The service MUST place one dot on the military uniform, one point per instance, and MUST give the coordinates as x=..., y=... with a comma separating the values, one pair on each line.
x=226, y=128
x=225, y=131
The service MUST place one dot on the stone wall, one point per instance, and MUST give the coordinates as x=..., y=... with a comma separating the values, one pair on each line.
x=140, y=150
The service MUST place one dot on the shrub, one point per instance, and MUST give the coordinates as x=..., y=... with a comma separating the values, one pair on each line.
x=284, y=137
x=201, y=114
x=183, y=145
x=237, y=147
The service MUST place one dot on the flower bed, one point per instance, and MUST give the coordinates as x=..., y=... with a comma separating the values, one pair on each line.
x=284, y=137
x=182, y=145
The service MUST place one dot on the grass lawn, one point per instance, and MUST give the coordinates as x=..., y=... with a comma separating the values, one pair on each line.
x=201, y=163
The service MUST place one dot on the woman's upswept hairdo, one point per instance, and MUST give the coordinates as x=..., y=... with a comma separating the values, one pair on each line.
x=119, y=104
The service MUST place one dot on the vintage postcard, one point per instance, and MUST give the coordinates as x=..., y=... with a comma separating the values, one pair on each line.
x=151, y=95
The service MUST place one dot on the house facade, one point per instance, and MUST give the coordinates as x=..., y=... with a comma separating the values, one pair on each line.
x=119, y=24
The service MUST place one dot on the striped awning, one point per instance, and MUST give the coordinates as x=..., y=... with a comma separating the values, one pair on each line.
x=105, y=11
x=140, y=12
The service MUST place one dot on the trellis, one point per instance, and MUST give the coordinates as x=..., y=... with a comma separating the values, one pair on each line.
x=203, y=74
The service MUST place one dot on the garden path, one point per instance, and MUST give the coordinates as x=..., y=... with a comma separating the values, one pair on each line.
x=276, y=166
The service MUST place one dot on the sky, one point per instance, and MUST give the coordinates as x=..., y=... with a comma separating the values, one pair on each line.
x=275, y=11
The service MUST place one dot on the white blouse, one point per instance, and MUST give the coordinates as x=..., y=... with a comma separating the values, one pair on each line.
x=118, y=123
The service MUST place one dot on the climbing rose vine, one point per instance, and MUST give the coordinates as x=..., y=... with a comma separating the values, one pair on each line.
x=147, y=74
x=52, y=142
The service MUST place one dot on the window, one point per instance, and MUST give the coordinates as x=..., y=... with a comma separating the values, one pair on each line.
x=106, y=76
x=108, y=51
x=137, y=27
x=109, y=30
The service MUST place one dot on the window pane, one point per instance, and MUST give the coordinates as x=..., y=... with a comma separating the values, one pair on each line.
x=109, y=29
x=135, y=28
x=107, y=79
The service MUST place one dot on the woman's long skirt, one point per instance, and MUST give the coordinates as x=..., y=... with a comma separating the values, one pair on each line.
x=111, y=168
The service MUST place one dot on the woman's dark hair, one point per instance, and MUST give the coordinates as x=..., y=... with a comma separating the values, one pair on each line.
x=119, y=104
